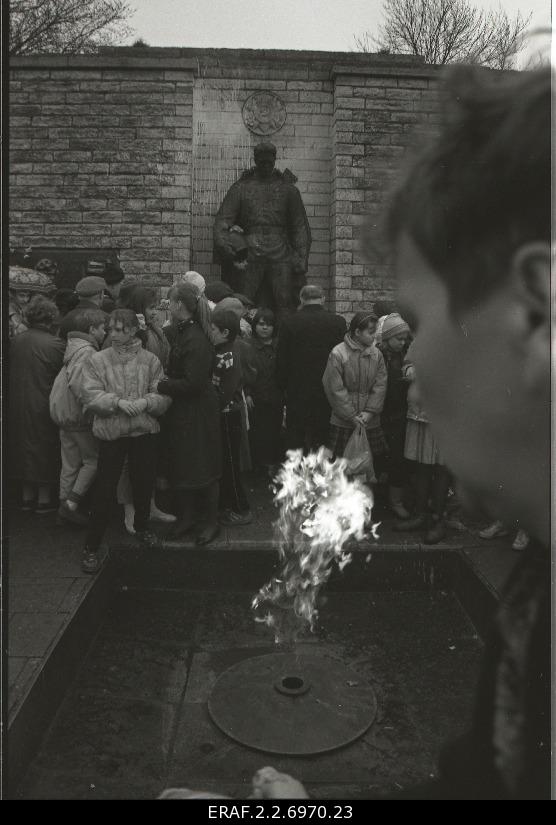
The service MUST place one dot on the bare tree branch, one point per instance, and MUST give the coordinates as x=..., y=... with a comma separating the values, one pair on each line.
x=67, y=26
x=448, y=31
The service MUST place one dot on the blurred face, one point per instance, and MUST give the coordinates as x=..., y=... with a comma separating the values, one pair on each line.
x=121, y=335
x=114, y=290
x=366, y=334
x=264, y=330
x=396, y=343
x=218, y=335
x=264, y=161
x=99, y=333
x=178, y=310
x=473, y=375
x=23, y=297
x=150, y=314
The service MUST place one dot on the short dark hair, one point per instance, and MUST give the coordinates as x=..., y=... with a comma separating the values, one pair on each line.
x=263, y=315
x=226, y=319
x=361, y=320
x=40, y=310
x=126, y=317
x=88, y=318
x=481, y=189
x=141, y=298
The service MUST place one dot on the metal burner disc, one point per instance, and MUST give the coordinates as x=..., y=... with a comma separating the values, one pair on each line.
x=292, y=705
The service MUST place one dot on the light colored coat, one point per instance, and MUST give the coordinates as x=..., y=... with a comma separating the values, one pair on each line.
x=79, y=349
x=355, y=381
x=110, y=376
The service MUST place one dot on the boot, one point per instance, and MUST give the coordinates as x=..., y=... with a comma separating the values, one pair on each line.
x=187, y=520
x=395, y=497
x=211, y=528
x=418, y=521
x=436, y=531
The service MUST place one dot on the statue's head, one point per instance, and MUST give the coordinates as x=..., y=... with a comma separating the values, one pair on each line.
x=265, y=158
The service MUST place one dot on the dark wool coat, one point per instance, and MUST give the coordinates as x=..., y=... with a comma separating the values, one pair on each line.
x=305, y=341
x=192, y=424
x=35, y=359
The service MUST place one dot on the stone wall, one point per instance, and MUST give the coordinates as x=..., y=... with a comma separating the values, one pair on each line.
x=135, y=153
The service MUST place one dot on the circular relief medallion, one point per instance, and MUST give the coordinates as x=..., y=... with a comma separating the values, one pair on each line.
x=264, y=113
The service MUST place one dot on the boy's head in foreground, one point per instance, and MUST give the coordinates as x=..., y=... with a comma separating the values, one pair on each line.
x=470, y=227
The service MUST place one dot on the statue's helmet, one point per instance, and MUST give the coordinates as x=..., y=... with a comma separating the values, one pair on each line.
x=264, y=148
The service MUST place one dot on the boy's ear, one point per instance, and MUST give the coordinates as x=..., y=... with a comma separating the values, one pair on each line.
x=531, y=280
x=532, y=288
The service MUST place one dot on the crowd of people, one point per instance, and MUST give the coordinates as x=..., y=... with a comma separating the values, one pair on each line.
x=111, y=400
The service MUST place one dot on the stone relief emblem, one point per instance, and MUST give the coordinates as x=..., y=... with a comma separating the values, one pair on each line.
x=264, y=113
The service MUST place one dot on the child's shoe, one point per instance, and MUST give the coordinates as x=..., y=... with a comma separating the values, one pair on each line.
x=521, y=541
x=493, y=530
x=230, y=518
x=416, y=523
x=436, y=531
x=90, y=562
x=66, y=514
x=148, y=540
x=159, y=515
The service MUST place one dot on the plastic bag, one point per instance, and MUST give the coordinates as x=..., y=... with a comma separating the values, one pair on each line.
x=358, y=455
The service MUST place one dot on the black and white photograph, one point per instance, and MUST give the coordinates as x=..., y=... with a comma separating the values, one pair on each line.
x=277, y=370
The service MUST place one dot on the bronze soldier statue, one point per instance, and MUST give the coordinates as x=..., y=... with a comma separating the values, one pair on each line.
x=262, y=236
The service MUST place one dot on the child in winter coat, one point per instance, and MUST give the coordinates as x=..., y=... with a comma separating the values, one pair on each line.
x=144, y=302
x=432, y=479
x=228, y=380
x=355, y=385
x=120, y=389
x=79, y=447
x=391, y=338
x=265, y=399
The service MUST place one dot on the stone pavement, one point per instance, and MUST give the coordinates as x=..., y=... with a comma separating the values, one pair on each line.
x=55, y=609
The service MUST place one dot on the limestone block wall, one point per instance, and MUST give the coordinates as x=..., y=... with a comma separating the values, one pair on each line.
x=376, y=113
x=100, y=157
x=134, y=152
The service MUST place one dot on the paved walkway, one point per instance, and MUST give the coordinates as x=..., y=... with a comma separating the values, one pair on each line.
x=47, y=587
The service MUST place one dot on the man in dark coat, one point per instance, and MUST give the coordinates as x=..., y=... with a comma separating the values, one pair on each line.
x=265, y=207
x=90, y=291
x=304, y=344
x=35, y=358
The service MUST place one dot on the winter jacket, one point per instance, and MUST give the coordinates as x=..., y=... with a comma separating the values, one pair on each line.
x=191, y=436
x=34, y=444
x=112, y=375
x=415, y=409
x=79, y=349
x=355, y=381
x=262, y=383
x=395, y=402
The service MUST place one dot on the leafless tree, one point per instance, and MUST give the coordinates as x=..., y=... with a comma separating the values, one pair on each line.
x=448, y=31
x=67, y=26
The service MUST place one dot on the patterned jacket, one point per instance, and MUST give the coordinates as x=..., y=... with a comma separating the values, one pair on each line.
x=111, y=376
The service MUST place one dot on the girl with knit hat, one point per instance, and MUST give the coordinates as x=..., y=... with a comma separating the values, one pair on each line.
x=391, y=338
x=432, y=479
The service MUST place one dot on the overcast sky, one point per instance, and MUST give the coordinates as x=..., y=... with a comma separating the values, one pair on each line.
x=327, y=25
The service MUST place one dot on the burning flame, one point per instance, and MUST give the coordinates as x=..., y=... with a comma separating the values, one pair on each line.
x=320, y=509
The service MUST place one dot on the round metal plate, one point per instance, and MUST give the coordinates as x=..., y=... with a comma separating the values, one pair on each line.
x=292, y=705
